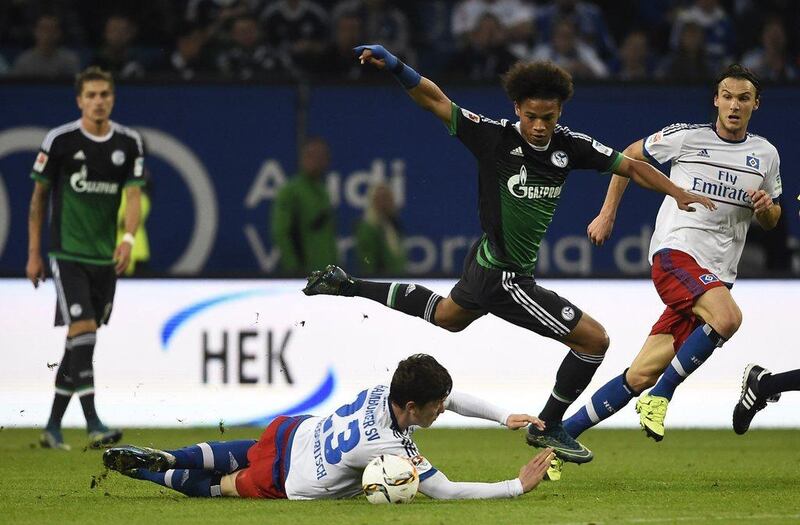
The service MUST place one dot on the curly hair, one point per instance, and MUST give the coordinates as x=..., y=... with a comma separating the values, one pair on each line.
x=538, y=80
x=421, y=379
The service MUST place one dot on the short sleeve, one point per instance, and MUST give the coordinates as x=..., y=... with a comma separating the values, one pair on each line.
x=135, y=175
x=588, y=153
x=772, y=181
x=45, y=167
x=664, y=145
x=478, y=133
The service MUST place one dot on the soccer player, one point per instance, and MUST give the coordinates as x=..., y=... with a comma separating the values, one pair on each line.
x=760, y=386
x=83, y=168
x=694, y=256
x=311, y=457
x=522, y=167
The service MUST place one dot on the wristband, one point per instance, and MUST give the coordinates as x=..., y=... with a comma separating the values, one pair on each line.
x=406, y=75
x=129, y=238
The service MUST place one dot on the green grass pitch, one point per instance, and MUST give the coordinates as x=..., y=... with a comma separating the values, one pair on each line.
x=693, y=476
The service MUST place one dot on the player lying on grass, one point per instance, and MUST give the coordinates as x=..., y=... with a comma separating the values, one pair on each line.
x=522, y=167
x=694, y=256
x=311, y=457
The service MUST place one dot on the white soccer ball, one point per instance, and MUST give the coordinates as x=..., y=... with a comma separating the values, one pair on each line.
x=390, y=479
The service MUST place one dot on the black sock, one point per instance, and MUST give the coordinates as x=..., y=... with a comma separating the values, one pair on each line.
x=574, y=374
x=64, y=388
x=82, y=348
x=411, y=299
x=771, y=384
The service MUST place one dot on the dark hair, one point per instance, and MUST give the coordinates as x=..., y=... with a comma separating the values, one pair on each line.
x=539, y=80
x=92, y=73
x=421, y=379
x=741, y=72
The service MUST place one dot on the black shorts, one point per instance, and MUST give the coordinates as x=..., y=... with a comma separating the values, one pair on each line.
x=83, y=291
x=514, y=297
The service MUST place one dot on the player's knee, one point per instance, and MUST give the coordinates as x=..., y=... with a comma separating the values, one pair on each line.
x=640, y=380
x=599, y=342
x=450, y=324
x=727, y=323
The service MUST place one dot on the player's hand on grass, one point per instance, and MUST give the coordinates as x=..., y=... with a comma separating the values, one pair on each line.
x=122, y=257
x=34, y=270
x=516, y=421
x=761, y=201
x=599, y=230
x=533, y=472
x=376, y=55
x=685, y=198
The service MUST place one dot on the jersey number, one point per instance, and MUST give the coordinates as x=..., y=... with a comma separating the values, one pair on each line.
x=333, y=454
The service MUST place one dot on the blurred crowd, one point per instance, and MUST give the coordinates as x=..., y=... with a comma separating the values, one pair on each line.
x=474, y=40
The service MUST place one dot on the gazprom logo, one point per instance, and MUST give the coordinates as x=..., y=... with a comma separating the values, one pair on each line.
x=518, y=188
x=235, y=348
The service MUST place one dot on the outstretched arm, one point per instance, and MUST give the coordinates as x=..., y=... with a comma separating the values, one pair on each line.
x=599, y=230
x=424, y=92
x=438, y=486
x=471, y=406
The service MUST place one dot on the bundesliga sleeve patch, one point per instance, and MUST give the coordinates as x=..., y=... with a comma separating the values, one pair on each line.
x=470, y=115
x=41, y=162
x=605, y=150
x=656, y=137
x=138, y=167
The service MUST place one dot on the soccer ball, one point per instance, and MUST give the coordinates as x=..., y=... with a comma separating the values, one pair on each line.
x=390, y=479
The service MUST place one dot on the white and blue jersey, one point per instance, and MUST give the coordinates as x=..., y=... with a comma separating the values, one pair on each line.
x=329, y=454
x=704, y=163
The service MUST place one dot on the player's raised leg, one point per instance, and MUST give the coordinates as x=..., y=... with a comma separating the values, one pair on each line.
x=411, y=299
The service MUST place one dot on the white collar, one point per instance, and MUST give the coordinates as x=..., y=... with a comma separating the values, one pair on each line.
x=95, y=138
x=537, y=148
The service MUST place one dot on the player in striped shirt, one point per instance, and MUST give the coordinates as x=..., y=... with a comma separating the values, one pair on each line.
x=522, y=167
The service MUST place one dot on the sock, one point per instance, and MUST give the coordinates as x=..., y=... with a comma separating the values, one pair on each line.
x=220, y=456
x=772, y=384
x=196, y=483
x=609, y=399
x=82, y=372
x=64, y=388
x=411, y=299
x=693, y=352
x=574, y=374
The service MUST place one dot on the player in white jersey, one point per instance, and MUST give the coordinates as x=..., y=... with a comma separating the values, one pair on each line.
x=309, y=457
x=694, y=255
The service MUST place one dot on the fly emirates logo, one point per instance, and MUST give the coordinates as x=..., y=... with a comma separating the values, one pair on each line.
x=724, y=188
x=518, y=188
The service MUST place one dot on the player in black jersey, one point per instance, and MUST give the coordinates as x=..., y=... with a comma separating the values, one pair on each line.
x=83, y=167
x=522, y=167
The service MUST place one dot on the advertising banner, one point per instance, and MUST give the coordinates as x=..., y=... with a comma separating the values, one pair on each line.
x=217, y=155
x=201, y=352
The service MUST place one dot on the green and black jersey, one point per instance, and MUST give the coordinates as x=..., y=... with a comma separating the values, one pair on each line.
x=519, y=185
x=86, y=175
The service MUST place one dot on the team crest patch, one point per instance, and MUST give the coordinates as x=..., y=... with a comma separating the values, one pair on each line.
x=602, y=148
x=118, y=157
x=568, y=313
x=559, y=158
x=470, y=115
x=41, y=162
x=708, y=278
x=753, y=161
x=75, y=310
